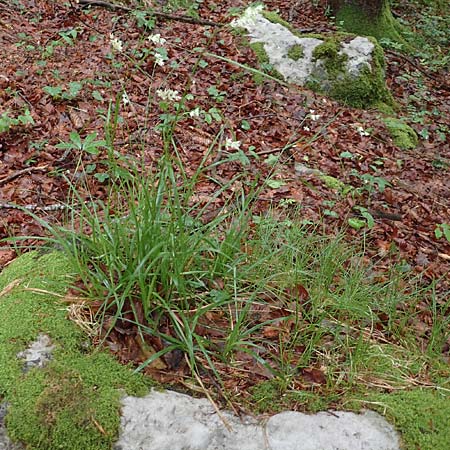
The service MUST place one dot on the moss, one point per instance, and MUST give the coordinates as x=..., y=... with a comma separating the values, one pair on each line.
x=273, y=17
x=74, y=402
x=386, y=109
x=363, y=91
x=258, y=48
x=354, y=20
x=296, y=52
x=334, y=183
x=402, y=134
x=329, y=53
x=368, y=89
x=420, y=415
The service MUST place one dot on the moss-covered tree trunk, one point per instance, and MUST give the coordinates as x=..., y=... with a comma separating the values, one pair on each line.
x=367, y=17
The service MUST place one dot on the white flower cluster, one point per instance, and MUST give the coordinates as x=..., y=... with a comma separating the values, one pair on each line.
x=248, y=18
x=157, y=39
x=116, y=43
x=159, y=59
x=125, y=98
x=362, y=131
x=313, y=116
x=232, y=145
x=168, y=95
x=195, y=112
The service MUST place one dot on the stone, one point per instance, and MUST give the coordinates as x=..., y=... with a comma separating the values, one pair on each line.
x=38, y=354
x=173, y=421
x=5, y=442
x=346, y=67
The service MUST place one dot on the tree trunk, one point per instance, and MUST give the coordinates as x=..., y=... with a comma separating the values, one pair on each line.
x=371, y=8
x=366, y=17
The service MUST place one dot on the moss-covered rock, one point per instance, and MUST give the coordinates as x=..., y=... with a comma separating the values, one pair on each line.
x=345, y=67
x=73, y=403
x=402, y=134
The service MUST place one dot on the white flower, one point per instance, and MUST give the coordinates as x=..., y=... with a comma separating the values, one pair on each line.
x=230, y=144
x=312, y=115
x=248, y=18
x=307, y=128
x=362, y=131
x=157, y=39
x=195, y=112
x=116, y=43
x=159, y=59
x=168, y=95
x=125, y=99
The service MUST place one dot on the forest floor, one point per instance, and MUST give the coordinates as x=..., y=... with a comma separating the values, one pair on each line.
x=70, y=71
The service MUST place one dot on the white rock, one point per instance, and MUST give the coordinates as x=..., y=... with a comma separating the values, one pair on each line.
x=172, y=421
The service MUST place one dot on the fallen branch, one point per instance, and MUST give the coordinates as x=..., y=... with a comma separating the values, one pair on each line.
x=21, y=172
x=159, y=14
x=385, y=215
x=34, y=207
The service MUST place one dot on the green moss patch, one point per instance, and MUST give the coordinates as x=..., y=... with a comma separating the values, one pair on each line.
x=402, y=134
x=422, y=416
x=296, y=52
x=258, y=48
x=73, y=403
x=336, y=184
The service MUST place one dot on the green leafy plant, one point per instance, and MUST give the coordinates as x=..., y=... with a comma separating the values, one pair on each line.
x=368, y=221
x=7, y=122
x=89, y=144
x=61, y=93
x=213, y=114
x=218, y=96
x=442, y=230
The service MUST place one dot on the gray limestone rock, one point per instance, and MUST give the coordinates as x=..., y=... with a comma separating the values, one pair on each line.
x=38, y=353
x=345, y=67
x=172, y=421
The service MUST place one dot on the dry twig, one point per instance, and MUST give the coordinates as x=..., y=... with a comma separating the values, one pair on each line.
x=158, y=14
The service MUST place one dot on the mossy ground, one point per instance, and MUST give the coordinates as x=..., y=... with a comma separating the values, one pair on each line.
x=296, y=52
x=73, y=403
x=421, y=415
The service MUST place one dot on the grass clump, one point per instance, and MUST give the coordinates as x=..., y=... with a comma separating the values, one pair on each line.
x=300, y=315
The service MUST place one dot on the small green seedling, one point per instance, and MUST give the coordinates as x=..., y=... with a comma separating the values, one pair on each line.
x=89, y=144
x=61, y=93
x=442, y=230
x=218, y=96
x=366, y=221
x=7, y=122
